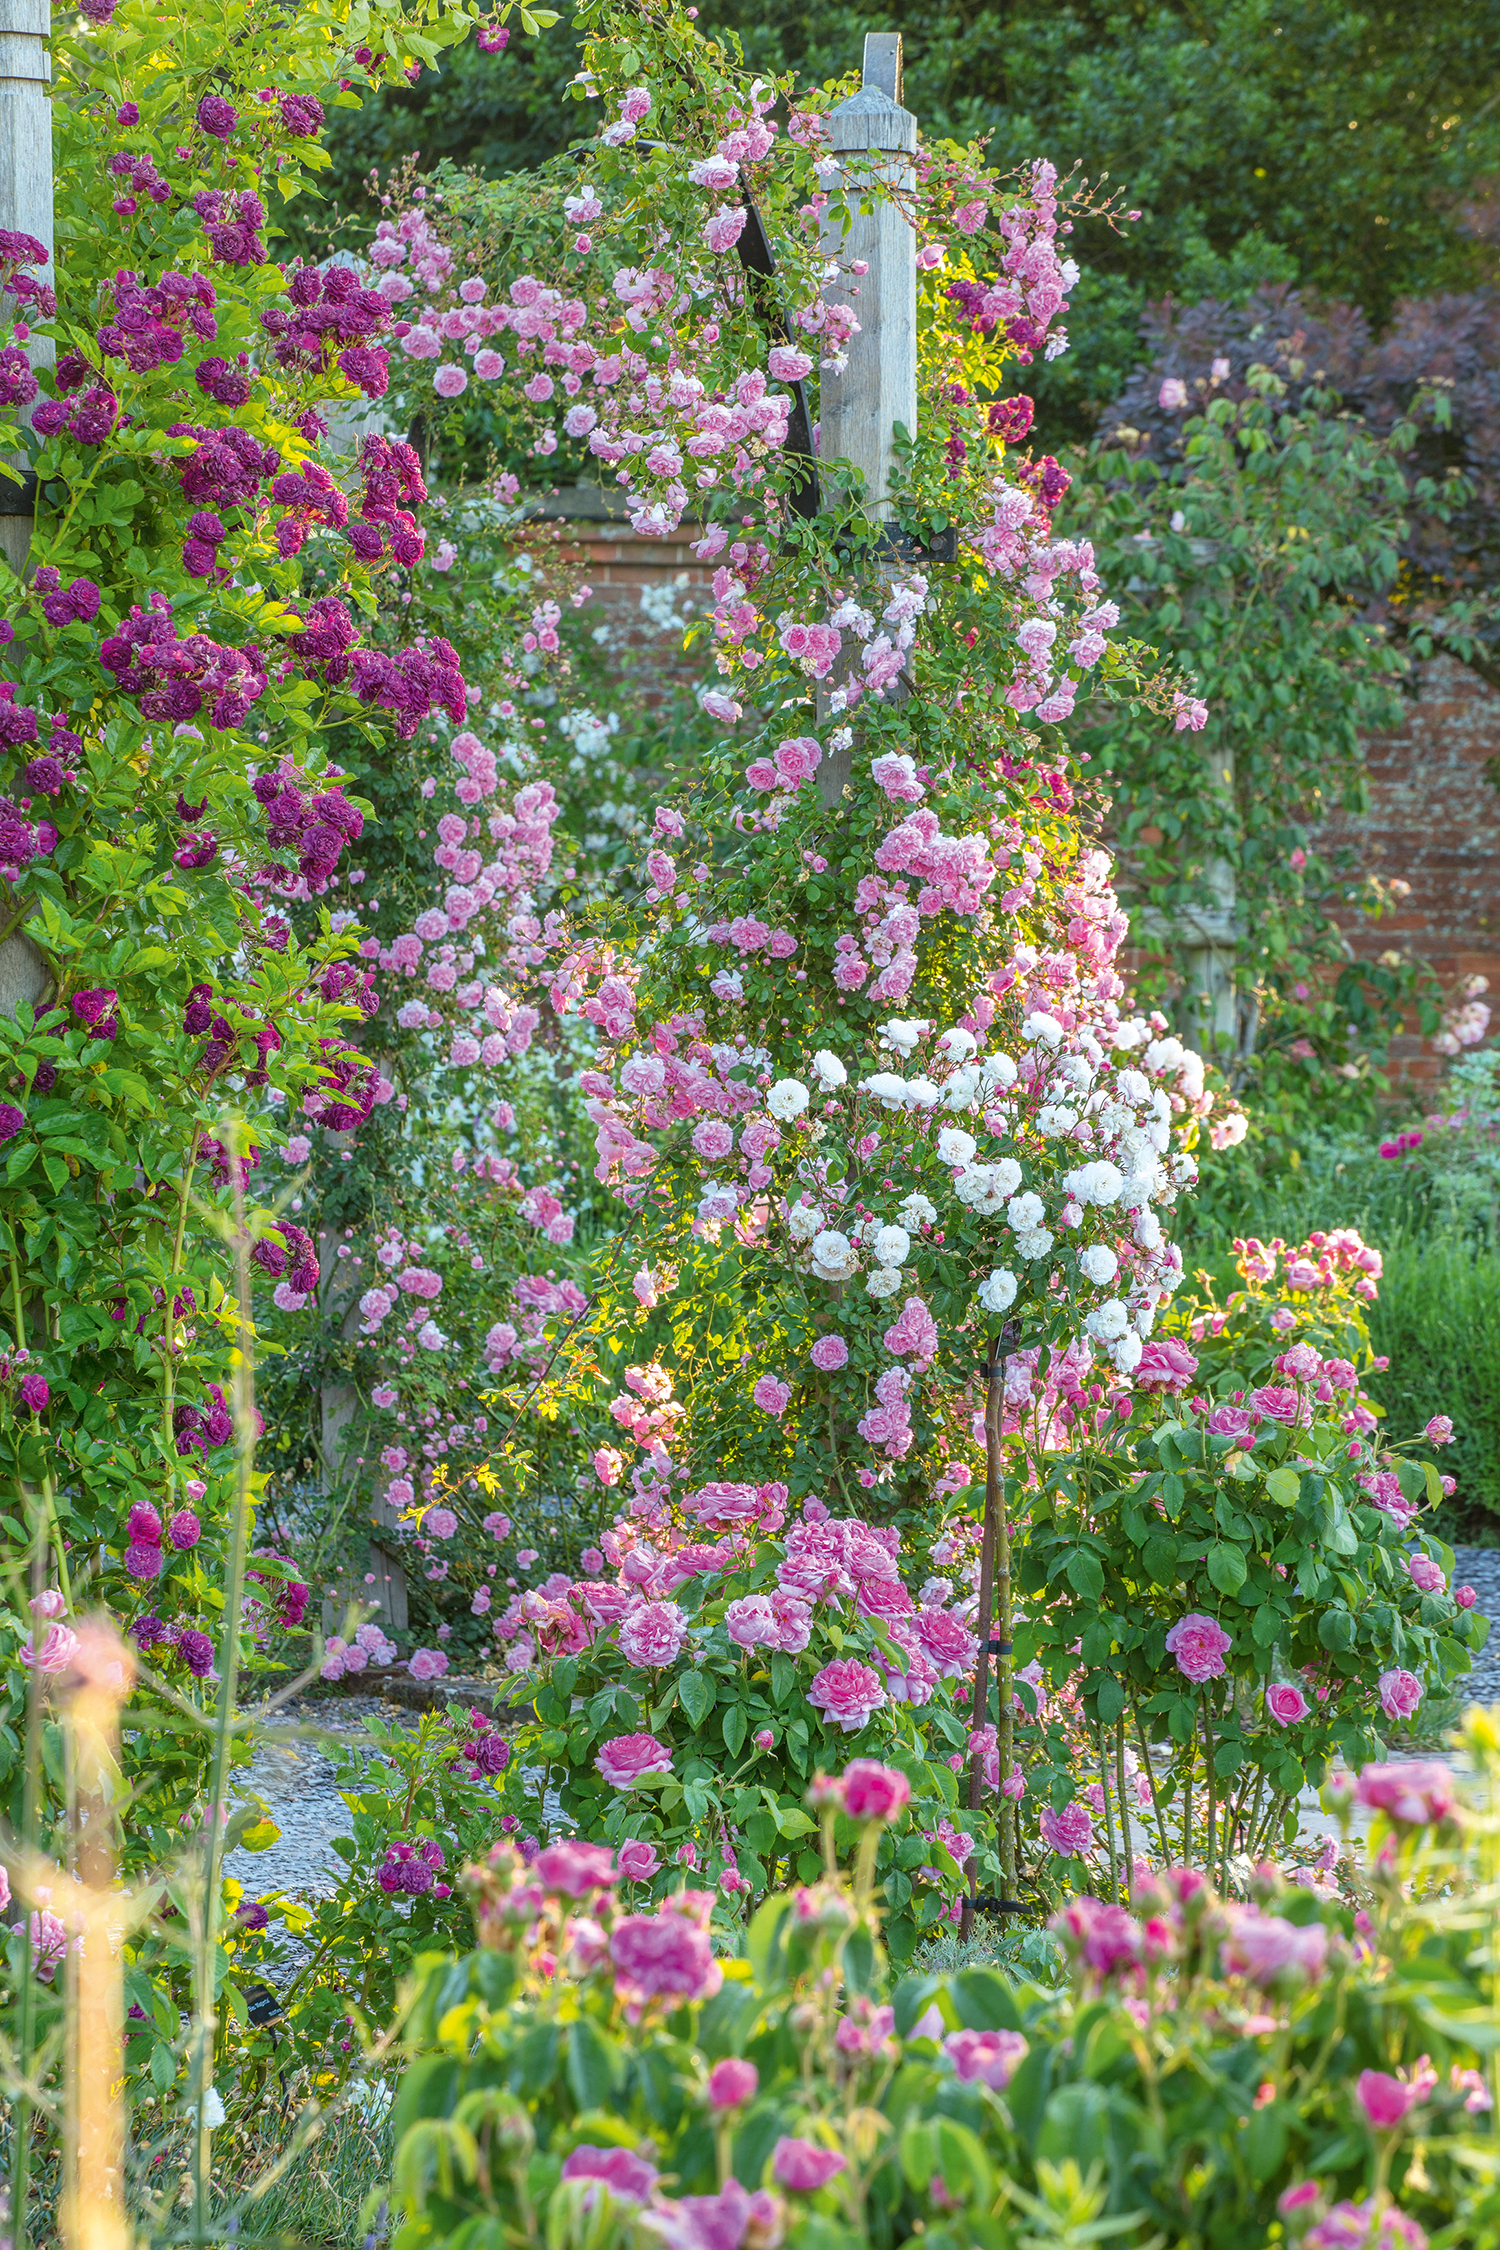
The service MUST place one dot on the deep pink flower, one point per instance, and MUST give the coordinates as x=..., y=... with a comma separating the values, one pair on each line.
x=1165, y=1365
x=1229, y=1421
x=638, y=1861
x=1200, y=1646
x=1262, y=1946
x=872, y=1791
x=1439, y=1431
x=1417, y=1795
x=1274, y=1403
x=945, y=1641
x=800, y=2166
x=1069, y=1832
x=1425, y=1574
x=732, y=2083
x=847, y=1693
x=1286, y=1704
x=771, y=1396
x=993, y=2057
x=627, y=1757
x=829, y=1354
x=625, y=2174
x=1365, y=2226
x=1385, y=2100
x=575, y=1869
x=663, y=1956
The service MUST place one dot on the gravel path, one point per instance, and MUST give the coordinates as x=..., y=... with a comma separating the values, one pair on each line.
x=1479, y=1567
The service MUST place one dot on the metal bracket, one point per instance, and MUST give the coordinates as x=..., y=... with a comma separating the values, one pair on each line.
x=986, y=1903
x=1000, y=1648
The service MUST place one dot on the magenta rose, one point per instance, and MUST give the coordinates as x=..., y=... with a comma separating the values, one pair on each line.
x=624, y=2173
x=1425, y=1574
x=829, y=1353
x=627, y=1757
x=732, y=2083
x=663, y=1956
x=1439, y=1431
x=1400, y=1693
x=992, y=2057
x=638, y=1861
x=800, y=2166
x=945, y=1641
x=1385, y=2100
x=653, y=1634
x=847, y=1693
x=1418, y=1795
x=1286, y=1704
x=575, y=1869
x=1200, y=1646
x=873, y=1791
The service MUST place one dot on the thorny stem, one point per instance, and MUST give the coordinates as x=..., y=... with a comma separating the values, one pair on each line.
x=1126, y=1851
x=1161, y=1824
x=1109, y=1818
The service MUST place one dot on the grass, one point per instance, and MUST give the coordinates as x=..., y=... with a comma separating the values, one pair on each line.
x=1030, y=1955
x=319, y=2201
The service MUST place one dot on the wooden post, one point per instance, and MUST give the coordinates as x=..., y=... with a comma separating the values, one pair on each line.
x=26, y=208
x=860, y=408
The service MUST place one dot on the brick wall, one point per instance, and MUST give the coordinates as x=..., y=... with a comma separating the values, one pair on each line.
x=1434, y=818
x=1434, y=822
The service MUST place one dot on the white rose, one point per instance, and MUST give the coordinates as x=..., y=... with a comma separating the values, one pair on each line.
x=886, y=1087
x=1107, y=1321
x=892, y=1246
x=833, y=1256
x=1099, y=1183
x=1132, y=1086
x=1025, y=1211
x=1098, y=1264
x=883, y=1281
x=915, y=1212
x=1043, y=1027
x=1185, y=1169
x=957, y=1045
x=955, y=1146
x=962, y=1088
x=997, y=1293
x=1034, y=1243
x=1126, y=1354
x=921, y=1093
x=1147, y=1230
x=1007, y=1174
x=905, y=1033
x=1163, y=1054
x=1191, y=1077
x=828, y=1070
x=1130, y=1034
x=980, y=1189
x=998, y=1070
x=804, y=1220
x=787, y=1099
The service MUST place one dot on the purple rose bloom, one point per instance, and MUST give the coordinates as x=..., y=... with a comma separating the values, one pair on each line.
x=34, y=1393
x=197, y=1652
x=301, y=114
x=252, y=1915
x=416, y=1877
x=11, y=1121
x=184, y=1530
x=144, y=1562
x=217, y=117
x=46, y=776
x=128, y=113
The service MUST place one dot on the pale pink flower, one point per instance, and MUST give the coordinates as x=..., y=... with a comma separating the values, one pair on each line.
x=829, y=1354
x=771, y=1396
x=1200, y=1646
x=426, y=1663
x=751, y=1622
x=992, y=2057
x=58, y=1648
x=1426, y=1575
x=653, y=1634
x=1439, y=1431
x=1173, y=395
x=575, y=1869
x=638, y=1861
x=1263, y=1946
x=1400, y=1693
x=629, y=2178
x=1417, y=1795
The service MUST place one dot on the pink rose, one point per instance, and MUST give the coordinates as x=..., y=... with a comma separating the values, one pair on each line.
x=847, y=1693
x=1165, y=1365
x=771, y=1396
x=1273, y=1402
x=1286, y=1704
x=1439, y=1431
x=625, y=2174
x=829, y=1353
x=638, y=1861
x=1263, y=1946
x=440, y=1523
x=712, y=1138
x=663, y=1956
x=1172, y=396
x=764, y=1738
x=1229, y=1421
x=800, y=2166
x=872, y=1791
x=752, y=1622
x=653, y=1634
x=426, y=1663
x=1385, y=2100
x=624, y=1759
x=1465, y=1596
x=1298, y=2198
x=1400, y=1693
x=1199, y=1645
x=1070, y=1832
x=1417, y=1795
x=945, y=1641
x=993, y=2057
x=732, y=2083
x=59, y=1646
x=1426, y=1575
x=575, y=1869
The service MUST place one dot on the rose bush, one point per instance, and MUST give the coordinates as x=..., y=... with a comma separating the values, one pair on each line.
x=593, y=2065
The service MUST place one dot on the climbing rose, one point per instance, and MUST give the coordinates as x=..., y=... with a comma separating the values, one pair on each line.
x=625, y=1758
x=1418, y=1795
x=873, y=1791
x=829, y=1353
x=847, y=1693
x=1199, y=1646
x=771, y=1396
x=1069, y=1832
